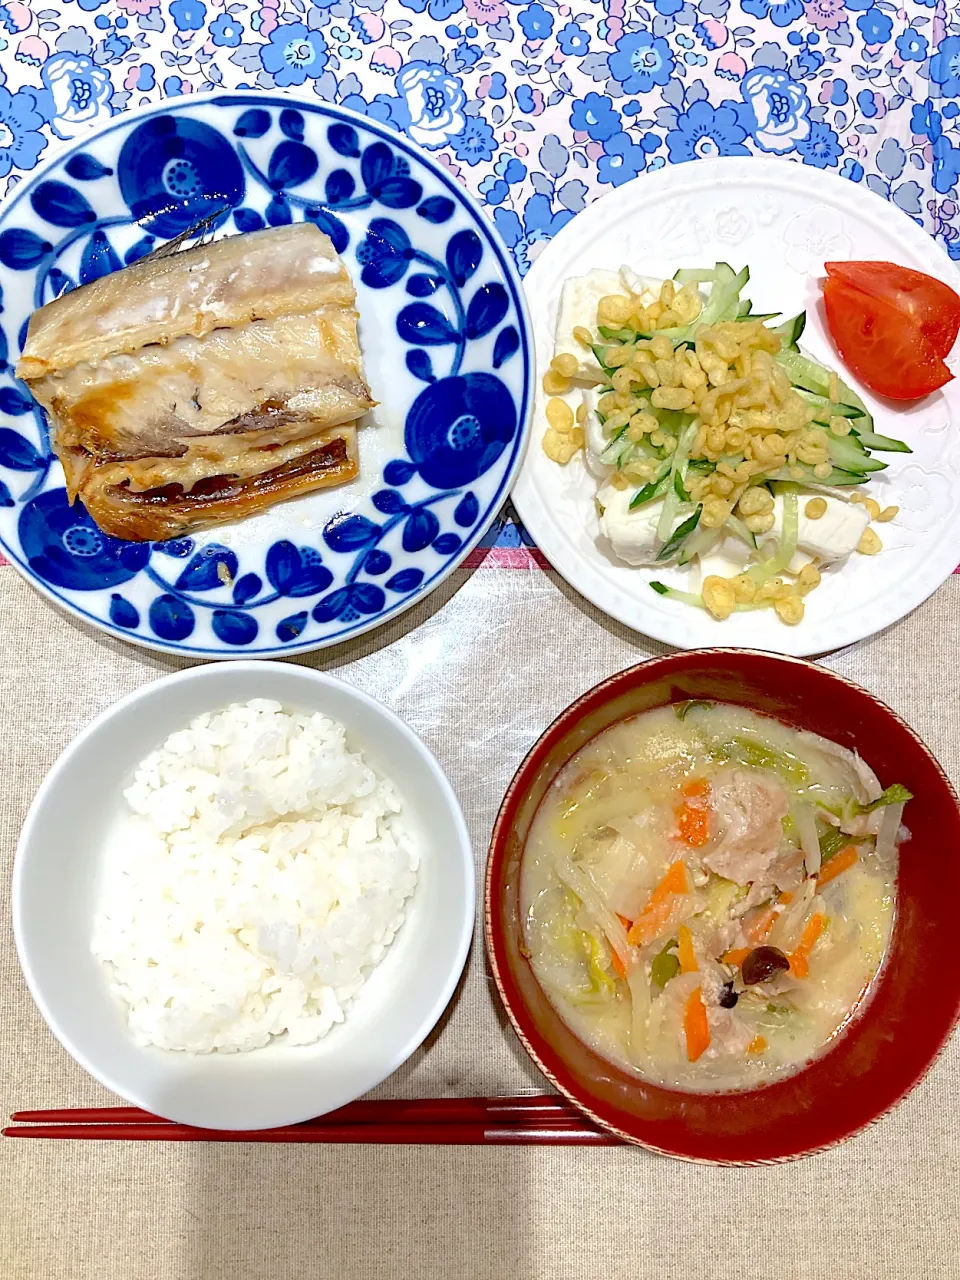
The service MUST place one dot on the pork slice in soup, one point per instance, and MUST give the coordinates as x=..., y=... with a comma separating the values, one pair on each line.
x=708, y=894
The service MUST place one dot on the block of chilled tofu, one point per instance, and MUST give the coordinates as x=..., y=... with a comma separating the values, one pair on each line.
x=581, y=294
x=832, y=537
x=728, y=557
x=578, y=306
x=631, y=534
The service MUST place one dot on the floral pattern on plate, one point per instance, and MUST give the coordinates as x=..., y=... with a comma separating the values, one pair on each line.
x=444, y=332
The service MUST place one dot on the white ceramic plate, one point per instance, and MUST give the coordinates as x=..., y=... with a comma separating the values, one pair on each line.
x=783, y=220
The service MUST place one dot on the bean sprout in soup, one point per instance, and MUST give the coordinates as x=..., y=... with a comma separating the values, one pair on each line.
x=708, y=894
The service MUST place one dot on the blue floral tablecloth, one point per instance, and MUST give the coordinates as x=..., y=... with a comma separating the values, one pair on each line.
x=538, y=107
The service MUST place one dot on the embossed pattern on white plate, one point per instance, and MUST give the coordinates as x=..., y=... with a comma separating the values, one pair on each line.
x=783, y=222
x=814, y=237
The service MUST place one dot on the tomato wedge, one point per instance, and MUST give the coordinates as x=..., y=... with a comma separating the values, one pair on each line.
x=928, y=303
x=880, y=345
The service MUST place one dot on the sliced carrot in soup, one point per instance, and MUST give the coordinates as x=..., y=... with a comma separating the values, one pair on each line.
x=654, y=917
x=696, y=1028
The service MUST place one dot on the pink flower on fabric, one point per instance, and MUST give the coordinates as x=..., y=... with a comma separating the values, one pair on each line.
x=386, y=60
x=131, y=78
x=451, y=168
x=530, y=101
x=485, y=11
x=265, y=19
x=138, y=6
x=19, y=17
x=879, y=102
x=373, y=25
x=716, y=32
x=612, y=29
x=33, y=51
x=825, y=15
x=731, y=66
x=594, y=150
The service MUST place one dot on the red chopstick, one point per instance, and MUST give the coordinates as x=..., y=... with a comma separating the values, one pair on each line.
x=360, y=1134
x=365, y=1111
x=521, y=1121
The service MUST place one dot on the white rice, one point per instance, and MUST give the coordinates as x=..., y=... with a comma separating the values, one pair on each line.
x=263, y=875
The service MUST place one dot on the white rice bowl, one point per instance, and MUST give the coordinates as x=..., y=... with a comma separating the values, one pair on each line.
x=261, y=875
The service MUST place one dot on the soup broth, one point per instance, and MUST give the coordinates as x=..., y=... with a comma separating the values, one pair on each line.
x=708, y=894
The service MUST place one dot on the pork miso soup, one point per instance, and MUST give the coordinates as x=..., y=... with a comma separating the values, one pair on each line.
x=708, y=894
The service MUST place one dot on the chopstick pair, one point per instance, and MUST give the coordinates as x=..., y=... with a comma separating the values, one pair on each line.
x=542, y=1120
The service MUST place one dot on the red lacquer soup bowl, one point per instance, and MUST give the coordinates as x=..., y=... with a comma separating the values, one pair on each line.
x=889, y=1045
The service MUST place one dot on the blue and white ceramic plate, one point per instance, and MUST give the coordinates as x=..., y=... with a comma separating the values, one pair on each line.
x=446, y=347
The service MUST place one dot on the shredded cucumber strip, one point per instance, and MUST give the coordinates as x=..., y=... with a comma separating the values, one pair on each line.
x=811, y=376
x=883, y=444
x=791, y=529
x=789, y=332
x=776, y=563
x=678, y=466
x=682, y=597
x=695, y=275
x=724, y=297
x=722, y=304
x=617, y=445
x=651, y=491
x=668, y=514
x=699, y=543
x=825, y=408
x=765, y=570
x=683, y=531
x=837, y=477
x=848, y=452
x=695, y=601
x=740, y=530
x=804, y=372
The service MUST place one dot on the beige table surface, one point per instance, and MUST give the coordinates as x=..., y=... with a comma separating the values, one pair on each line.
x=479, y=670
